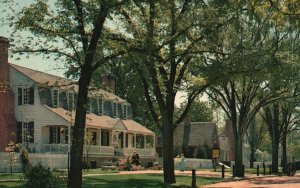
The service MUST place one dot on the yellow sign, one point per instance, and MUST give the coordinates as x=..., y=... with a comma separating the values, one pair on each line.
x=215, y=153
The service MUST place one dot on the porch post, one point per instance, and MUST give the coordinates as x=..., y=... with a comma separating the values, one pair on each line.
x=134, y=140
x=100, y=141
x=124, y=139
x=145, y=141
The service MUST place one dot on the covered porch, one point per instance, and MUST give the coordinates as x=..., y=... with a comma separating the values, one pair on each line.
x=104, y=136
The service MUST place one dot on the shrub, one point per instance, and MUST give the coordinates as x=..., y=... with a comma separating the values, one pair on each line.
x=24, y=159
x=39, y=176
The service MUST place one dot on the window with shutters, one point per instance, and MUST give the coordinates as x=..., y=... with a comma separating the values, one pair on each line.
x=25, y=96
x=55, y=98
x=28, y=132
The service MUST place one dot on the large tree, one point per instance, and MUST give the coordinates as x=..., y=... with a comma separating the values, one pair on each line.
x=73, y=31
x=169, y=38
x=249, y=44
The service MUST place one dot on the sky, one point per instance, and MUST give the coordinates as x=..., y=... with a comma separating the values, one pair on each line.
x=33, y=61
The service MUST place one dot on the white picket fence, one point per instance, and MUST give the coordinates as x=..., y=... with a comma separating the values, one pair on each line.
x=53, y=161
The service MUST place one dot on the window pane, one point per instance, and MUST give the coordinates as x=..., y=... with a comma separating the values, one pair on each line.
x=140, y=141
x=104, y=138
x=55, y=98
x=26, y=95
x=114, y=109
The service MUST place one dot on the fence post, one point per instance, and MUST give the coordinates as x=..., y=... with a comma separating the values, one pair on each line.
x=233, y=170
x=193, y=178
x=270, y=169
x=264, y=166
x=223, y=171
x=257, y=170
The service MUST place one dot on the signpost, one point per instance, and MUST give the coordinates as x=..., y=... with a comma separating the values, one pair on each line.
x=215, y=154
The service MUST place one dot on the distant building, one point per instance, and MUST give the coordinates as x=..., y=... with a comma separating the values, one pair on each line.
x=195, y=139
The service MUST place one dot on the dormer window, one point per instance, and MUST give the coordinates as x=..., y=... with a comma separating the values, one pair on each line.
x=100, y=106
x=55, y=98
x=115, y=106
x=124, y=111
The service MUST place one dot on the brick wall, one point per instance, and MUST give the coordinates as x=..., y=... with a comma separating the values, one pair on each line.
x=7, y=117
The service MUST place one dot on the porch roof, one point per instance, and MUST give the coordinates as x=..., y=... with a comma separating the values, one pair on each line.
x=104, y=122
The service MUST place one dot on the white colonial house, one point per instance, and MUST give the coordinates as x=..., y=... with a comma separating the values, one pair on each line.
x=44, y=109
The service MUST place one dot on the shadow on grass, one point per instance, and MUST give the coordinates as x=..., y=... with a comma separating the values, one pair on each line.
x=12, y=184
x=144, y=181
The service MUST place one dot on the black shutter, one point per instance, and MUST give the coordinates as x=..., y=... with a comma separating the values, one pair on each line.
x=20, y=96
x=19, y=132
x=31, y=131
x=31, y=92
x=94, y=106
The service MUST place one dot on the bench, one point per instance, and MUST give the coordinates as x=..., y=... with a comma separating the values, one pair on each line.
x=109, y=165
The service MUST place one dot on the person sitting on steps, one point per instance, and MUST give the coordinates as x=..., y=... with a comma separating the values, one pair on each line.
x=135, y=159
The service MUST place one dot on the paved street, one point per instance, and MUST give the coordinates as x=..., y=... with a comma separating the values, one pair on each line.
x=274, y=181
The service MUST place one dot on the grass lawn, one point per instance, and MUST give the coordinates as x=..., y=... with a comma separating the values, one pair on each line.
x=130, y=181
x=10, y=176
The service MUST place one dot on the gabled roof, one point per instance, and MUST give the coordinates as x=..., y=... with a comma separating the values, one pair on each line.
x=63, y=83
x=132, y=125
x=199, y=133
x=103, y=122
x=203, y=132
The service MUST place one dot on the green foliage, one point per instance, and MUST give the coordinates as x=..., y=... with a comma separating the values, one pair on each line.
x=42, y=177
x=200, y=112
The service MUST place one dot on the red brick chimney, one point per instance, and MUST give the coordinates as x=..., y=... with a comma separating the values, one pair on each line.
x=109, y=82
x=8, y=122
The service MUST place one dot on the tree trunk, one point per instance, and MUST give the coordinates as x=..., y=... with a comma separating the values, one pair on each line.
x=275, y=146
x=275, y=139
x=238, y=156
x=284, y=157
x=168, y=160
x=75, y=176
x=252, y=154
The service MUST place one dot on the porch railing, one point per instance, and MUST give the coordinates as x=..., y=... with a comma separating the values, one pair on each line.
x=142, y=152
x=55, y=148
x=98, y=150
